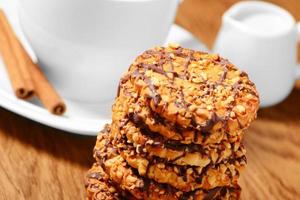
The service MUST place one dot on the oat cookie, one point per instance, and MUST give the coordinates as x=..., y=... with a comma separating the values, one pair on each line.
x=143, y=188
x=193, y=89
x=184, y=178
x=135, y=109
x=173, y=151
x=99, y=186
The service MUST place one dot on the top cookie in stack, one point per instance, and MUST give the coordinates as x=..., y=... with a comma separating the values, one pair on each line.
x=189, y=96
x=177, y=126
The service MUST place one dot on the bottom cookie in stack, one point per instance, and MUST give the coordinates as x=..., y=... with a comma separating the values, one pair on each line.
x=112, y=170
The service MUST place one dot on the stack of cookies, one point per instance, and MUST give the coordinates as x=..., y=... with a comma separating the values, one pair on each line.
x=177, y=128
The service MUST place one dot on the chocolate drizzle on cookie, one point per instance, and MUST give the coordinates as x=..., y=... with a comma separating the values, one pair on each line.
x=155, y=59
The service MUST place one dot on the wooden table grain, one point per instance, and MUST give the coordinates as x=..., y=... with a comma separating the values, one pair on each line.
x=38, y=162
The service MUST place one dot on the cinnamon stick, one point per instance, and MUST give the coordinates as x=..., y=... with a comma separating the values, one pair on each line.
x=13, y=58
x=22, y=70
x=43, y=89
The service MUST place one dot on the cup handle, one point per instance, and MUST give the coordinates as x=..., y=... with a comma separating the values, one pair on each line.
x=298, y=65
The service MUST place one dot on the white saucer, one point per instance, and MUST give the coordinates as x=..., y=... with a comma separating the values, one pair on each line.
x=80, y=118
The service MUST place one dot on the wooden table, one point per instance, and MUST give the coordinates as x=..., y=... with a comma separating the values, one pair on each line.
x=38, y=162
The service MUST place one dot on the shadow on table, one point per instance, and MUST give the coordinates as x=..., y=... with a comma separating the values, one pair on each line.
x=74, y=148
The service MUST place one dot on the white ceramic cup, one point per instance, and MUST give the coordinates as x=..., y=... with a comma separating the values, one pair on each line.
x=84, y=46
x=261, y=39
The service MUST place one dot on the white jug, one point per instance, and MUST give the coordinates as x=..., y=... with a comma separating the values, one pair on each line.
x=261, y=39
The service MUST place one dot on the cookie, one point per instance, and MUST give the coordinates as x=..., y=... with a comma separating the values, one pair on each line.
x=184, y=178
x=139, y=187
x=125, y=176
x=192, y=89
x=99, y=186
x=135, y=109
x=173, y=151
